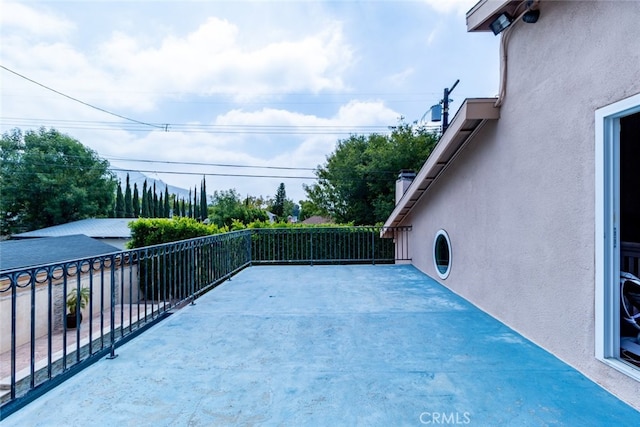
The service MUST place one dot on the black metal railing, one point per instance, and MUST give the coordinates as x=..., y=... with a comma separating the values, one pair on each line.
x=328, y=245
x=128, y=291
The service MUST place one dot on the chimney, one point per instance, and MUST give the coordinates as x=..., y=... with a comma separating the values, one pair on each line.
x=405, y=178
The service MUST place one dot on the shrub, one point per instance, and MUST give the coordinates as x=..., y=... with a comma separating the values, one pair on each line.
x=155, y=231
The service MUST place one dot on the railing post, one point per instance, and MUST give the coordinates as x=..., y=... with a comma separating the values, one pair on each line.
x=373, y=247
x=192, y=251
x=112, y=351
x=14, y=291
x=311, y=248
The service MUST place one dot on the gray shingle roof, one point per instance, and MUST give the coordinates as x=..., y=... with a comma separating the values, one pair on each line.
x=30, y=252
x=102, y=228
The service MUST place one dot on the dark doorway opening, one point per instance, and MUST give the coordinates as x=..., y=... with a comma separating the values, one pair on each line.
x=629, y=198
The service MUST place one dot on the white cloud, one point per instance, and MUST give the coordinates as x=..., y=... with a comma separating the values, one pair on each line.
x=448, y=6
x=400, y=78
x=433, y=35
x=366, y=113
x=212, y=60
x=126, y=72
x=18, y=17
x=354, y=113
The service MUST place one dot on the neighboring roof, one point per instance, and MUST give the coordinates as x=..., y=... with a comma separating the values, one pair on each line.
x=30, y=252
x=100, y=228
x=485, y=11
x=317, y=219
x=470, y=117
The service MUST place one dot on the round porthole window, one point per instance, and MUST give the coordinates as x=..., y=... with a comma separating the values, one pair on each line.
x=442, y=254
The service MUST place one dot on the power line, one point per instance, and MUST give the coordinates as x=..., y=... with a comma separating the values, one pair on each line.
x=369, y=178
x=203, y=128
x=170, y=162
x=185, y=163
x=232, y=175
x=80, y=101
x=411, y=95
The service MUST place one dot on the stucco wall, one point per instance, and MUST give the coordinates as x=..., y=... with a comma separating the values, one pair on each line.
x=518, y=203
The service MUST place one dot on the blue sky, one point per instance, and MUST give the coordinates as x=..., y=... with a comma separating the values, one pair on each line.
x=250, y=83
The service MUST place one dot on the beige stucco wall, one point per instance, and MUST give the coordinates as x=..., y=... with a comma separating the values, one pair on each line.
x=518, y=203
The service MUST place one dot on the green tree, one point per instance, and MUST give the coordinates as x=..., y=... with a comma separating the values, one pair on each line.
x=309, y=209
x=227, y=206
x=204, y=213
x=119, y=208
x=196, y=205
x=256, y=202
x=145, y=201
x=155, y=202
x=151, y=203
x=136, y=201
x=128, y=200
x=49, y=178
x=166, y=210
x=357, y=183
x=278, y=208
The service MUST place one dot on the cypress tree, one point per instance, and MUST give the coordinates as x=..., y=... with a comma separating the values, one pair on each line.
x=196, y=207
x=166, y=209
x=190, y=213
x=136, y=201
x=161, y=204
x=119, y=210
x=150, y=202
x=203, y=199
x=278, y=204
x=145, y=201
x=128, y=200
x=156, y=205
x=176, y=212
x=183, y=211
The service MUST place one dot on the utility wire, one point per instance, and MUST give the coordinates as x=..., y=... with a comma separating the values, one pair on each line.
x=184, y=163
x=231, y=175
x=169, y=162
x=206, y=128
x=82, y=102
x=215, y=174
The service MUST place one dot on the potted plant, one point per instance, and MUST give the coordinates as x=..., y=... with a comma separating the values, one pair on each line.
x=72, y=305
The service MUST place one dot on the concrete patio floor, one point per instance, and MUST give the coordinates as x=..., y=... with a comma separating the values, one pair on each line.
x=328, y=345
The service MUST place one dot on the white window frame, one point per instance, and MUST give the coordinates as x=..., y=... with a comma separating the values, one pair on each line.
x=607, y=235
x=435, y=261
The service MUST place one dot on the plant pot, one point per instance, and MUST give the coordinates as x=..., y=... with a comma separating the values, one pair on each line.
x=72, y=320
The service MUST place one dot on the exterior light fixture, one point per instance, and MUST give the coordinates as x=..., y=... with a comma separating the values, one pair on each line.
x=501, y=23
x=531, y=16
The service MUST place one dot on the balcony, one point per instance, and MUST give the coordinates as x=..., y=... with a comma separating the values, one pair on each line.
x=322, y=340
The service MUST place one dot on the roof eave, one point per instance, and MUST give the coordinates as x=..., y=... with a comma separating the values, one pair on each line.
x=485, y=11
x=471, y=116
